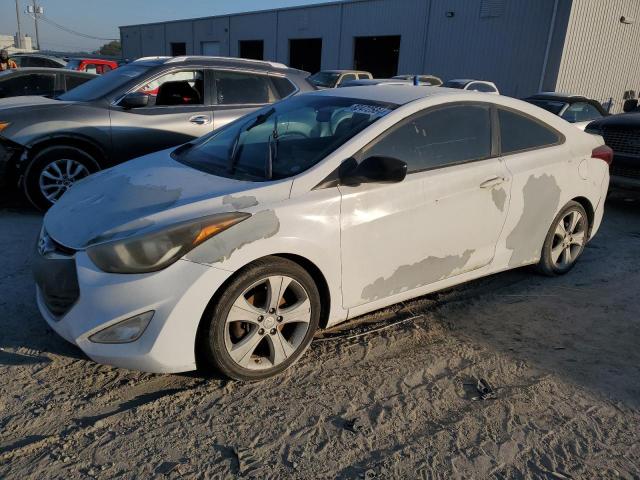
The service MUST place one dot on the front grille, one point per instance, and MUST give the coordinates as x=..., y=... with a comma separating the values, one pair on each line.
x=54, y=270
x=624, y=171
x=626, y=141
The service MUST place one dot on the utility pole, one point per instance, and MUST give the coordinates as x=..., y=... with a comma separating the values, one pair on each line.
x=34, y=11
x=19, y=39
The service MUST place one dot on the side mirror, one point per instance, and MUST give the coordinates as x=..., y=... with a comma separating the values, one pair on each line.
x=630, y=105
x=372, y=170
x=134, y=100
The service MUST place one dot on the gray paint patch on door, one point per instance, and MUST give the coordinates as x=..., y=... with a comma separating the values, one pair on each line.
x=499, y=197
x=541, y=198
x=408, y=277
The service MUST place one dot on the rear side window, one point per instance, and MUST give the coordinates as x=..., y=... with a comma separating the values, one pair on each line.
x=71, y=81
x=581, y=112
x=283, y=87
x=32, y=84
x=518, y=133
x=348, y=77
x=438, y=138
x=481, y=87
x=237, y=88
x=363, y=76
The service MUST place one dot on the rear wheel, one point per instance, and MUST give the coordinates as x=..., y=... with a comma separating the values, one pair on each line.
x=565, y=241
x=262, y=322
x=54, y=171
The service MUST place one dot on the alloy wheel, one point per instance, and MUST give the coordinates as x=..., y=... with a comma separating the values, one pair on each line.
x=267, y=323
x=568, y=239
x=59, y=176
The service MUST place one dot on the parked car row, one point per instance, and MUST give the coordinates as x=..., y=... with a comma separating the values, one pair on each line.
x=96, y=66
x=151, y=104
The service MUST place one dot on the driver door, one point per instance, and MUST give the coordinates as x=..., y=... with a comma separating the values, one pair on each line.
x=179, y=110
x=442, y=220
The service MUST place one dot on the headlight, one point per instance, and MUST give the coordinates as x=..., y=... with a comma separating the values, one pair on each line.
x=4, y=125
x=157, y=250
x=126, y=331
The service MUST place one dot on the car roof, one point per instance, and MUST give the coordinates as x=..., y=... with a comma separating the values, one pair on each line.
x=558, y=96
x=18, y=71
x=379, y=81
x=217, y=61
x=399, y=94
x=343, y=71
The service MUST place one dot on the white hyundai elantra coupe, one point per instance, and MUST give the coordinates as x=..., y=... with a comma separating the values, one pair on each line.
x=232, y=250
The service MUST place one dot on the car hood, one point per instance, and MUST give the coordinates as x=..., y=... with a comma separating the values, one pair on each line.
x=8, y=105
x=620, y=120
x=146, y=194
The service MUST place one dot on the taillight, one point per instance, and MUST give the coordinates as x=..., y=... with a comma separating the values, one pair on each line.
x=603, y=152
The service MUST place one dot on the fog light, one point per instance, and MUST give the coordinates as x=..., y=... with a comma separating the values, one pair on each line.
x=126, y=331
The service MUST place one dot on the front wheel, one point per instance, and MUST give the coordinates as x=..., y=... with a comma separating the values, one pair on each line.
x=54, y=171
x=262, y=322
x=565, y=241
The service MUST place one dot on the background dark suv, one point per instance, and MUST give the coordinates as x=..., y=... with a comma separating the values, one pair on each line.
x=147, y=105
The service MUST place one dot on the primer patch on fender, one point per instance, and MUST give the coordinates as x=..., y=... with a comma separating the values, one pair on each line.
x=541, y=198
x=122, y=201
x=262, y=225
x=240, y=202
x=499, y=197
x=408, y=277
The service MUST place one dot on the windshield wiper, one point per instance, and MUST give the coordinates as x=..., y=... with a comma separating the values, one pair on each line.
x=259, y=120
x=272, y=147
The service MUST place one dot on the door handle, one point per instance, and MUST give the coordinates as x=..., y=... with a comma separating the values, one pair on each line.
x=492, y=182
x=200, y=119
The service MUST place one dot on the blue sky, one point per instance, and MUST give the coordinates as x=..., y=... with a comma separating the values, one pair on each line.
x=101, y=18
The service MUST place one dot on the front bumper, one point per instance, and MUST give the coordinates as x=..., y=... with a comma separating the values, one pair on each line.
x=10, y=154
x=178, y=295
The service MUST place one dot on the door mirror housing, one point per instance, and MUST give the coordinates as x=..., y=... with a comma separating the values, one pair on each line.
x=134, y=100
x=372, y=170
x=630, y=105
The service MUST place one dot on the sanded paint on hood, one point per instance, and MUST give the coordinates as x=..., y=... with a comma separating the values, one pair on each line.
x=145, y=194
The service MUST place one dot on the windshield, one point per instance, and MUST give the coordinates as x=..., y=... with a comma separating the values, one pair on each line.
x=324, y=79
x=282, y=140
x=455, y=84
x=104, y=84
x=549, y=105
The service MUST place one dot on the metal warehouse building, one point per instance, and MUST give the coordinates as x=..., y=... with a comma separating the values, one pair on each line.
x=587, y=47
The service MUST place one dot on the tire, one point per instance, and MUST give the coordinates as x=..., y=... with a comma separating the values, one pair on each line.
x=565, y=240
x=240, y=331
x=67, y=164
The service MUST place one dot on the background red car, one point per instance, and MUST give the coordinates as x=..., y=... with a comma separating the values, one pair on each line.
x=91, y=65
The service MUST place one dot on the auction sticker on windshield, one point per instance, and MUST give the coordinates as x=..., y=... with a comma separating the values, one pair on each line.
x=373, y=110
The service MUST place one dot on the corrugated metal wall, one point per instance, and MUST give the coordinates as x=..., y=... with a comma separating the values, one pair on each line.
x=500, y=40
x=508, y=49
x=386, y=17
x=212, y=30
x=256, y=26
x=601, y=57
x=311, y=22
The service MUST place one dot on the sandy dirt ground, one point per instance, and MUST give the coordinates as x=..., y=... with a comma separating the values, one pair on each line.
x=390, y=395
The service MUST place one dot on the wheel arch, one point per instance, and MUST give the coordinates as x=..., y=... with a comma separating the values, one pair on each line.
x=588, y=207
x=84, y=144
x=311, y=268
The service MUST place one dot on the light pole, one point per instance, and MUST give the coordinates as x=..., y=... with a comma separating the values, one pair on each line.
x=19, y=39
